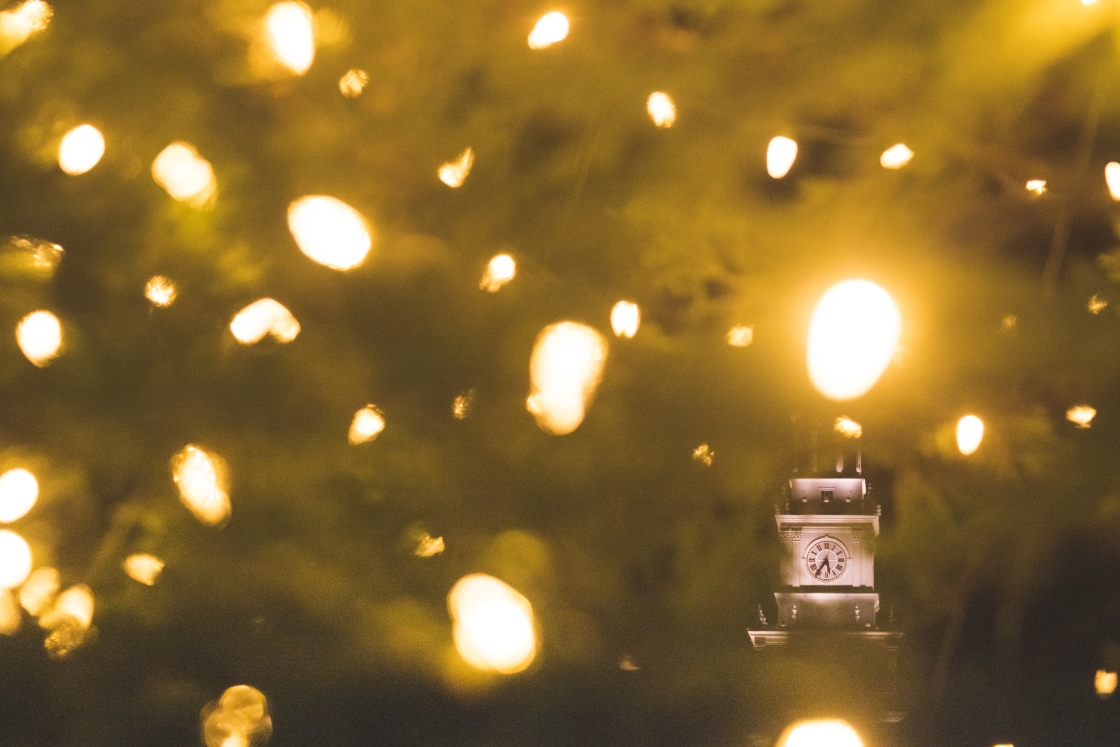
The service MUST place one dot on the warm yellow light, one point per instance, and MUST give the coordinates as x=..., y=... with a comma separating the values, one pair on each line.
x=970, y=432
x=565, y=368
x=1081, y=415
x=1009, y=323
x=290, y=34
x=187, y=176
x=143, y=568
x=896, y=156
x=454, y=173
x=239, y=719
x=740, y=336
x=848, y=428
x=625, y=319
x=329, y=231
x=428, y=546
x=1104, y=683
x=462, y=405
x=11, y=617
x=367, y=424
x=780, y=155
x=853, y=336
x=1112, y=179
x=68, y=620
x=18, y=492
x=1097, y=304
x=661, y=109
x=353, y=83
x=80, y=149
x=1036, y=187
x=18, y=24
x=703, y=454
x=37, y=592
x=551, y=28
x=493, y=624
x=39, y=335
x=261, y=319
x=499, y=271
x=820, y=733
x=15, y=559
x=161, y=291
x=201, y=481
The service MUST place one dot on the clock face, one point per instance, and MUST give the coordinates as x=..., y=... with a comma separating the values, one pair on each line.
x=827, y=559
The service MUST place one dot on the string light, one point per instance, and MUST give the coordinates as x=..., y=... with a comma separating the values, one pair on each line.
x=353, y=83
x=1081, y=415
x=454, y=173
x=18, y=492
x=10, y=616
x=18, y=24
x=551, y=28
x=428, y=546
x=661, y=109
x=970, y=432
x=239, y=719
x=493, y=624
x=896, y=156
x=15, y=559
x=68, y=620
x=38, y=591
x=847, y=428
x=462, y=405
x=143, y=568
x=1036, y=187
x=565, y=369
x=367, y=424
x=820, y=733
x=263, y=318
x=39, y=335
x=703, y=454
x=500, y=270
x=1112, y=179
x=200, y=478
x=187, y=176
x=161, y=291
x=1097, y=304
x=329, y=231
x=740, y=336
x=780, y=155
x=853, y=337
x=1104, y=683
x=626, y=317
x=290, y=35
x=80, y=150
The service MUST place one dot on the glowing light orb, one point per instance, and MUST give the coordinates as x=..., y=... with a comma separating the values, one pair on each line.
x=970, y=432
x=329, y=231
x=852, y=338
x=499, y=271
x=428, y=546
x=847, y=428
x=780, y=155
x=11, y=618
x=820, y=733
x=551, y=28
x=493, y=624
x=740, y=336
x=18, y=492
x=367, y=424
x=1097, y=304
x=1104, y=683
x=1036, y=187
x=39, y=335
x=626, y=317
x=454, y=173
x=1112, y=179
x=462, y=405
x=187, y=176
x=68, y=620
x=200, y=478
x=261, y=319
x=80, y=150
x=565, y=369
x=1081, y=415
x=15, y=559
x=37, y=592
x=239, y=719
x=160, y=291
x=353, y=83
x=661, y=109
x=18, y=24
x=895, y=157
x=703, y=454
x=290, y=34
x=143, y=568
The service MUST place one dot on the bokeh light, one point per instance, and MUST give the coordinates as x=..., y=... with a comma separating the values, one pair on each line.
x=39, y=335
x=239, y=719
x=740, y=336
x=187, y=176
x=1112, y=179
x=200, y=478
x=353, y=83
x=703, y=454
x=461, y=407
x=896, y=156
x=15, y=559
x=428, y=546
x=263, y=318
x=368, y=422
x=1104, y=683
x=68, y=620
x=1081, y=415
x=18, y=492
x=853, y=336
x=565, y=369
x=454, y=173
x=847, y=427
x=160, y=291
x=970, y=432
x=551, y=28
x=661, y=109
x=820, y=733
x=11, y=616
x=780, y=155
x=18, y=24
x=500, y=270
x=329, y=231
x=290, y=34
x=143, y=567
x=493, y=624
x=80, y=150
x=1036, y=187
x=626, y=317
x=38, y=591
